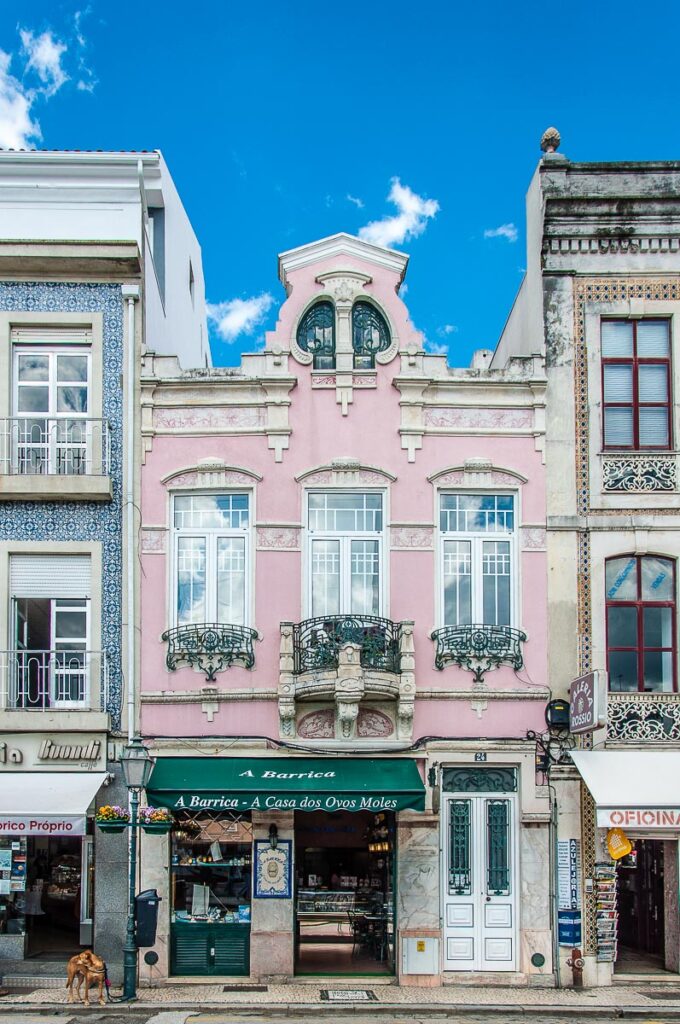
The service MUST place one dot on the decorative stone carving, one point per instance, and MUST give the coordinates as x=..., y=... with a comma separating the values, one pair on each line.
x=642, y=718
x=533, y=538
x=345, y=472
x=594, y=245
x=201, y=417
x=411, y=538
x=550, y=140
x=153, y=540
x=634, y=474
x=477, y=473
x=317, y=725
x=477, y=419
x=211, y=475
x=372, y=722
x=278, y=538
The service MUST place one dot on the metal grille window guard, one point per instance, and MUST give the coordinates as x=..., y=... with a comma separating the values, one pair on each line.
x=317, y=642
x=478, y=648
x=370, y=335
x=53, y=680
x=498, y=859
x=460, y=867
x=316, y=335
x=60, y=446
x=643, y=717
x=210, y=647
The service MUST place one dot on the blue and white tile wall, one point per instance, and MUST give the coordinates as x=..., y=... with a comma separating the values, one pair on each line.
x=82, y=520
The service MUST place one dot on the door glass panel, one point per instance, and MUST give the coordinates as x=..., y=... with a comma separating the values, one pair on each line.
x=33, y=399
x=657, y=579
x=33, y=367
x=652, y=339
x=618, y=427
x=621, y=579
x=617, y=339
x=622, y=626
x=231, y=580
x=618, y=382
x=191, y=569
x=365, y=576
x=457, y=583
x=498, y=847
x=658, y=669
x=71, y=399
x=71, y=368
x=496, y=582
x=460, y=869
x=325, y=577
x=623, y=671
x=653, y=427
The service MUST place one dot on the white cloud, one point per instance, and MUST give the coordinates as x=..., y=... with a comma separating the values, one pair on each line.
x=411, y=221
x=239, y=316
x=87, y=80
x=403, y=290
x=446, y=329
x=359, y=203
x=508, y=231
x=17, y=130
x=436, y=348
x=44, y=53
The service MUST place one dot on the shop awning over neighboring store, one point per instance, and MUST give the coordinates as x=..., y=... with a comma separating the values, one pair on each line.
x=46, y=803
x=283, y=784
x=637, y=790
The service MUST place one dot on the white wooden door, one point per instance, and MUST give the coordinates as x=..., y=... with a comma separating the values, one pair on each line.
x=480, y=899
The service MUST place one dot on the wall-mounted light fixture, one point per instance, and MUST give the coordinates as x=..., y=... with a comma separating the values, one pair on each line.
x=273, y=836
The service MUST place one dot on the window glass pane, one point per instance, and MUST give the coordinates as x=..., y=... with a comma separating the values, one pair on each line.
x=653, y=427
x=460, y=859
x=457, y=581
x=498, y=847
x=345, y=512
x=618, y=382
x=618, y=427
x=653, y=338
x=33, y=399
x=617, y=339
x=231, y=580
x=657, y=579
x=325, y=577
x=71, y=399
x=72, y=367
x=191, y=580
x=496, y=583
x=33, y=366
x=211, y=511
x=621, y=579
x=623, y=672
x=622, y=626
x=365, y=580
x=658, y=669
x=70, y=625
x=658, y=627
x=478, y=513
x=653, y=383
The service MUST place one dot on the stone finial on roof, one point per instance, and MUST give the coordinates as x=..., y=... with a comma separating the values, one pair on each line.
x=550, y=140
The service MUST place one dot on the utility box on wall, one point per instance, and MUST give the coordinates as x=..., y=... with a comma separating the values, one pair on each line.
x=420, y=956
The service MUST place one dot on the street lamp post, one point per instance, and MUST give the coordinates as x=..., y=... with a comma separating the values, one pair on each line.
x=136, y=763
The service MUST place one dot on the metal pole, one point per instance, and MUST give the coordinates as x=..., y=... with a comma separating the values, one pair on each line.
x=130, y=948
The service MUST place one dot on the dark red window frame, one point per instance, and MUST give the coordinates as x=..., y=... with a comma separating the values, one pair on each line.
x=639, y=647
x=636, y=404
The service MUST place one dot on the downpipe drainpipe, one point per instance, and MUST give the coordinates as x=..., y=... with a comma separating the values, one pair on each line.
x=131, y=295
x=554, y=895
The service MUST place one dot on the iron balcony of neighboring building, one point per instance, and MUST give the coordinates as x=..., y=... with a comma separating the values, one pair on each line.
x=210, y=647
x=55, y=458
x=59, y=680
x=478, y=648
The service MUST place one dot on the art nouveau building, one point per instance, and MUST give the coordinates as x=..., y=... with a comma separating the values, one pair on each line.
x=344, y=658
x=96, y=259
x=602, y=300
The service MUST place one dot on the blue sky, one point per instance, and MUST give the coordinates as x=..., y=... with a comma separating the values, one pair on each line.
x=272, y=115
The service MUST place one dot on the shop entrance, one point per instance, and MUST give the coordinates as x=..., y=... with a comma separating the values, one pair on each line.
x=58, y=895
x=640, y=884
x=344, y=900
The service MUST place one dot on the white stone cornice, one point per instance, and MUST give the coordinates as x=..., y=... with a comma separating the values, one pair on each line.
x=210, y=472
x=340, y=245
x=338, y=470
x=481, y=467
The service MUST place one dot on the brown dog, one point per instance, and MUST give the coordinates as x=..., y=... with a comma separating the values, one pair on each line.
x=88, y=967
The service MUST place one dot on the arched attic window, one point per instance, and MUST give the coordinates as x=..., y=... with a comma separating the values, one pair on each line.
x=370, y=335
x=316, y=335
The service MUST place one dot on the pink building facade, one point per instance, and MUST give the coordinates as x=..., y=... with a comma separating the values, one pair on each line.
x=344, y=646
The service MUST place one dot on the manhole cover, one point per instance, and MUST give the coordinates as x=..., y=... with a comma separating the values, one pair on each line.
x=348, y=995
x=245, y=988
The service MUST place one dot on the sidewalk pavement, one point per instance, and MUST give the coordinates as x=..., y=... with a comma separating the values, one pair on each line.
x=652, y=1001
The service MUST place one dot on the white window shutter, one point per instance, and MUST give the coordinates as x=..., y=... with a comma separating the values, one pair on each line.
x=50, y=576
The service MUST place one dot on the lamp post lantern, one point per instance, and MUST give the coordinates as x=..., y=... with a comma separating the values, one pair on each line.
x=137, y=764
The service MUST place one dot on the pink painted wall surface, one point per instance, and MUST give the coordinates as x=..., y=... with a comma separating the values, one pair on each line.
x=320, y=433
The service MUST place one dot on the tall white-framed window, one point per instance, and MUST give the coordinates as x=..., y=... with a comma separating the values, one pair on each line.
x=345, y=553
x=478, y=558
x=211, y=558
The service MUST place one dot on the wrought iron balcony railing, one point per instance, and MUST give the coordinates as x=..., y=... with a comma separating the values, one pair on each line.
x=478, y=648
x=210, y=647
x=643, y=718
x=54, y=446
x=317, y=642
x=71, y=680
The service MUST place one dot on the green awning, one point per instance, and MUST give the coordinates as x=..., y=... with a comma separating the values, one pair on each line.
x=285, y=784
